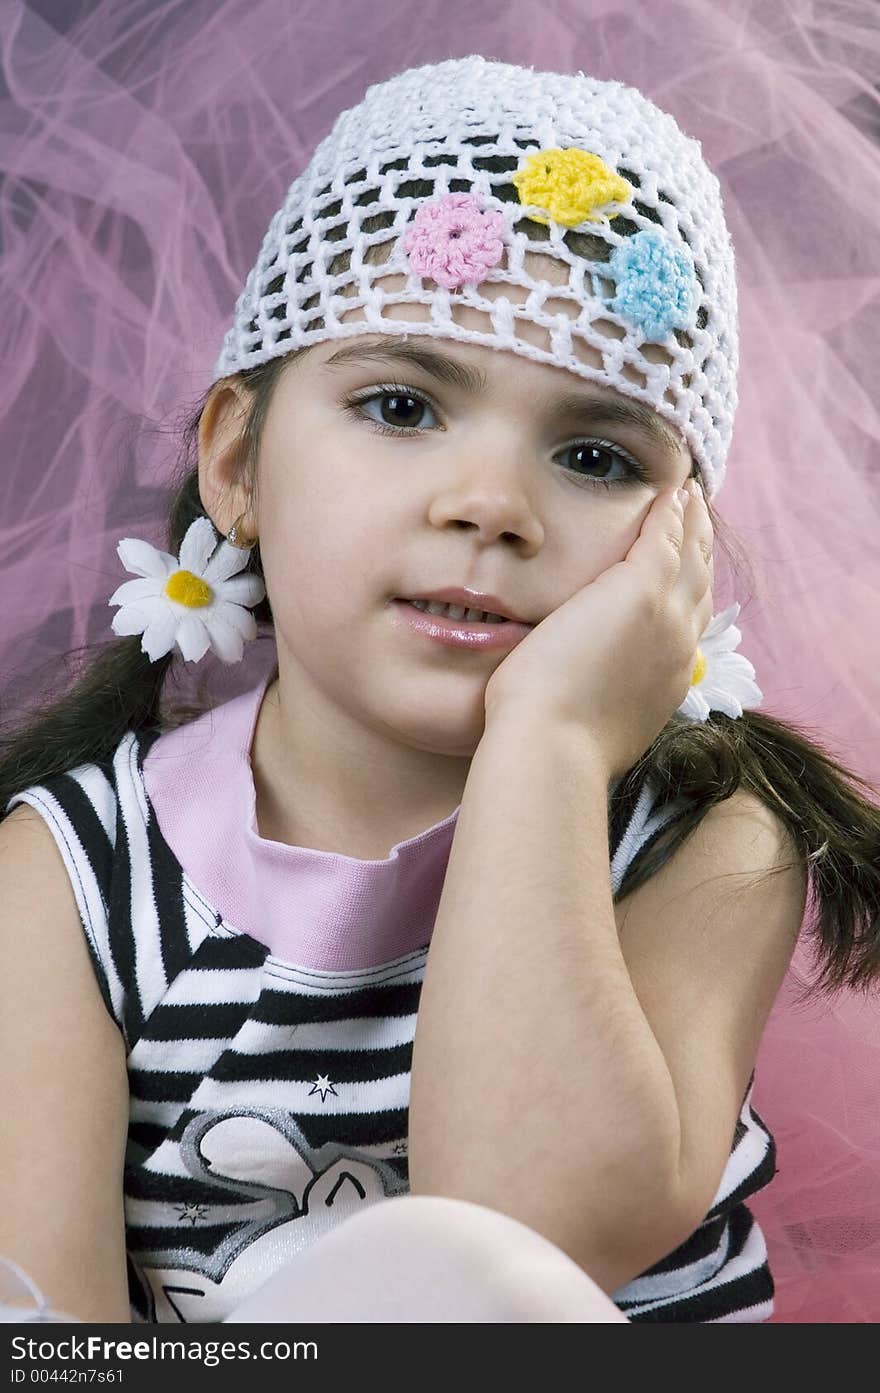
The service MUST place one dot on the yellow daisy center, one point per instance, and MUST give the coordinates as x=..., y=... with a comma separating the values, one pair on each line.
x=570, y=184
x=699, y=671
x=188, y=589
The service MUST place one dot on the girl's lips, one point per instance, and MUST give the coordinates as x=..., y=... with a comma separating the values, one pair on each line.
x=460, y=633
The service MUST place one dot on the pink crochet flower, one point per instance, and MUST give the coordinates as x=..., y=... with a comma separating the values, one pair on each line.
x=455, y=240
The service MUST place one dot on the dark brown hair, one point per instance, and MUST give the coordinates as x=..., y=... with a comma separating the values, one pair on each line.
x=828, y=810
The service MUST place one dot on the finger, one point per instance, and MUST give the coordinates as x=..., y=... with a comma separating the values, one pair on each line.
x=656, y=551
x=697, y=571
x=695, y=580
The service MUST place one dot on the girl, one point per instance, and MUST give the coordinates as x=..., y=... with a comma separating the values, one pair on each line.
x=477, y=906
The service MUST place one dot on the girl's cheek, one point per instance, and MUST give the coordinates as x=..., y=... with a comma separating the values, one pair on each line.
x=611, y=545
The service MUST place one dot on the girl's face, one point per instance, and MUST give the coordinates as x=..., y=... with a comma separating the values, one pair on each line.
x=380, y=478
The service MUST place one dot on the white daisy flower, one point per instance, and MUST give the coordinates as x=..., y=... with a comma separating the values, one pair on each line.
x=722, y=680
x=194, y=600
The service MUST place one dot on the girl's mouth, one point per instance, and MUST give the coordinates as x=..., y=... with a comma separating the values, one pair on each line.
x=459, y=633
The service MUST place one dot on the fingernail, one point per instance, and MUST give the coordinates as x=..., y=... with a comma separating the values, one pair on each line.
x=684, y=497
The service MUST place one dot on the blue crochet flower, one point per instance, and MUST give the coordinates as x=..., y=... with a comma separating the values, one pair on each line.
x=657, y=287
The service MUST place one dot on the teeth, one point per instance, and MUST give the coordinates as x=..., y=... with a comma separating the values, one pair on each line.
x=458, y=612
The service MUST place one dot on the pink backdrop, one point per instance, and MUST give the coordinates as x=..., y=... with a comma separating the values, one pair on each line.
x=144, y=147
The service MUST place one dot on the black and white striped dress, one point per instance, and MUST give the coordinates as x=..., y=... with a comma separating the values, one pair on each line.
x=269, y=1100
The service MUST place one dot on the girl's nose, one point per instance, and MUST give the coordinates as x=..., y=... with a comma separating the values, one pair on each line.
x=493, y=494
x=496, y=513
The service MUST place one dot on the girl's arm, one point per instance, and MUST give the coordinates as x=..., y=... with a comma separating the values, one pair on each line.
x=63, y=1089
x=578, y=1068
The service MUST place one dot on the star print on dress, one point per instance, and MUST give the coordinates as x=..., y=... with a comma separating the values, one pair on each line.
x=323, y=1086
x=290, y=1193
x=193, y=1212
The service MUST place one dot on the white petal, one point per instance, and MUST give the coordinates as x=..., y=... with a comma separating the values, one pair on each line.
x=237, y=618
x=729, y=666
x=226, y=641
x=145, y=560
x=226, y=562
x=192, y=637
x=133, y=590
x=719, y=622
x=241, y=590
x=725, y=642
x=159, y=635
x=693, y=706
x=732, y=679
x=133, y=619
x=747, y=692
x=723, y=701
x=129, y=620
x=195, y=549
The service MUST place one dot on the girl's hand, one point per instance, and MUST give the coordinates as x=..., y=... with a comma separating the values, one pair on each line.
x=617, y=657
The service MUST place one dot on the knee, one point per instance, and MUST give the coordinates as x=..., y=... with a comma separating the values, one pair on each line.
x=530, y=1277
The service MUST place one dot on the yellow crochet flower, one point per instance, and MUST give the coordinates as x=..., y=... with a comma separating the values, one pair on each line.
x=570, y=184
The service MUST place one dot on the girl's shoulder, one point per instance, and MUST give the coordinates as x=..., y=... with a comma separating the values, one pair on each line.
x=141, y=921
x=638, y=813
x=99, y=795
x=84, y=799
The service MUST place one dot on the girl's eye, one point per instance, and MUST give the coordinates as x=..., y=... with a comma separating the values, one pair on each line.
x=603, y=455
x=400, y=411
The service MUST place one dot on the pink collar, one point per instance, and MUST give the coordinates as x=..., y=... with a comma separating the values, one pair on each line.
x=311, y=908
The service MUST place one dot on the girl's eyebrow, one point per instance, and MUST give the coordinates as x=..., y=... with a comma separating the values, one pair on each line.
x=595, y=410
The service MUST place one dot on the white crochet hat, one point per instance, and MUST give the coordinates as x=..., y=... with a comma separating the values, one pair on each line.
x=456, y=169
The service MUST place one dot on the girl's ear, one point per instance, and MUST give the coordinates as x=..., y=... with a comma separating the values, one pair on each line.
x=223, y=485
